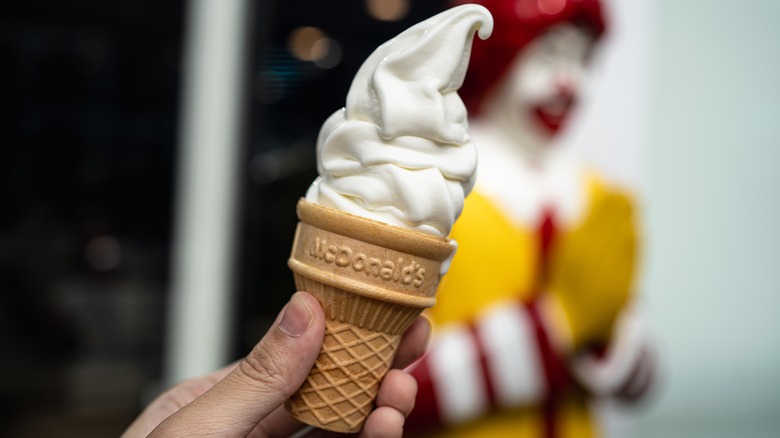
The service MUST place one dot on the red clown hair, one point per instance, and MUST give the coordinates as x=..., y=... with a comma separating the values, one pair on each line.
x=517, y=23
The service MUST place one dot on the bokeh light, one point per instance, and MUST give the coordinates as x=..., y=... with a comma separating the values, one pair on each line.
x=332, y=51
x=387, y=10
x=103, y=253
x=305, y=43
x=264, y=168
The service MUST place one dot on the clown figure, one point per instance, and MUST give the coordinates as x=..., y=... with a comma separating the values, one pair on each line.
x=536, y=317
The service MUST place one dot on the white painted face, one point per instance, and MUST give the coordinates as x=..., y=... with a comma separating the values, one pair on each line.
x=541, y=87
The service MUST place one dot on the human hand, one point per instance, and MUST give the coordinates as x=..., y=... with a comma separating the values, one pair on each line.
x=245, y=399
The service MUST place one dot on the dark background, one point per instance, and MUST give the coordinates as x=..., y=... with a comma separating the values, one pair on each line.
x=89, y=111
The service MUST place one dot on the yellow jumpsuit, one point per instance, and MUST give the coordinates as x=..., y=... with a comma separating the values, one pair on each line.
x=587, y=265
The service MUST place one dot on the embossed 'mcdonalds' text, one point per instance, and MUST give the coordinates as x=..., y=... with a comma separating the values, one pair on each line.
x=397, y=271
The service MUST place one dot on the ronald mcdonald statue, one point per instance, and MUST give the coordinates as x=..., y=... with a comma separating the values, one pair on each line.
x=536, y=317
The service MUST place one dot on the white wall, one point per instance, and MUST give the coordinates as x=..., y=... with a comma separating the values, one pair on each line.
x=685, y=107
x=712, y=271
x=611, y=129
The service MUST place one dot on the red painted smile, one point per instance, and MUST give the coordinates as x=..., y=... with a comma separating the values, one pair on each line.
x=553, y=113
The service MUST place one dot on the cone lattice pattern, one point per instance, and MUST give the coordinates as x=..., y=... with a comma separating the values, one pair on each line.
x=372, y=281
x=341, y=388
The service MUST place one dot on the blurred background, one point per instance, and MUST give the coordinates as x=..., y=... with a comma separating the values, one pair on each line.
x=683, y=106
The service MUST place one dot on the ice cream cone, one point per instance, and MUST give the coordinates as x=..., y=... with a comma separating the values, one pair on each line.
x=372, y=280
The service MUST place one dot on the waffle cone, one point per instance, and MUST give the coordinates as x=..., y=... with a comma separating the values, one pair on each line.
x=372, y=280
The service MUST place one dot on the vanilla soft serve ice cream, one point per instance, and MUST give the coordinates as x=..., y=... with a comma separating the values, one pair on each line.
x=400, y=151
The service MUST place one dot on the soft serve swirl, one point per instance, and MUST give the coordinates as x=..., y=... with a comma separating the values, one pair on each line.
x=400, y=151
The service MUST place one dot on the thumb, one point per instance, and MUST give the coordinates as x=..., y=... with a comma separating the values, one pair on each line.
x=271, y=373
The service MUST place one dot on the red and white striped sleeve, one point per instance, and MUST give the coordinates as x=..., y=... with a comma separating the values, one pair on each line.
x=503, y=359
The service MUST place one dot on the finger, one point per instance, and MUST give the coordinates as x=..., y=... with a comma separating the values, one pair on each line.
x=641, y=381
x=172, y=400
x=398, y=391
x=261, y=382
x=384, y=422
x=277, y=424
x=222, y=372
x=637, y=393
x=413, y=343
